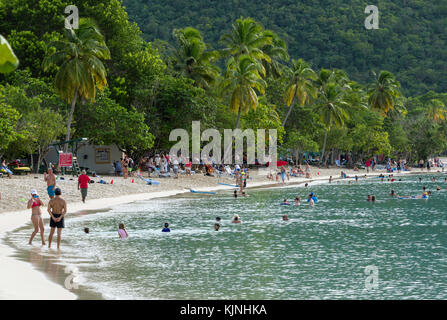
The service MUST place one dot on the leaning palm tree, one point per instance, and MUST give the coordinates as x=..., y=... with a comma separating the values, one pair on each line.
x=247, y=37
x=436, y=110
x=241, y=80
x=384, y=92
x=301, y=86
x=191, y=59
x=80, y=70
x=332, y=108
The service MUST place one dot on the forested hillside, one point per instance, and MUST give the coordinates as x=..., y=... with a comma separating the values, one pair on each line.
x=411, y=41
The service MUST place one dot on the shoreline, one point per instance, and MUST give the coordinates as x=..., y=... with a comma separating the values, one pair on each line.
x=34, y=284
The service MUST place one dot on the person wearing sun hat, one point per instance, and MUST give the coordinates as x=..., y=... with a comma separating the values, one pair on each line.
x=36, y=216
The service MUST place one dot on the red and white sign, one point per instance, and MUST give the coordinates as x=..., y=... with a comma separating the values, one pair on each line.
x=66, y=159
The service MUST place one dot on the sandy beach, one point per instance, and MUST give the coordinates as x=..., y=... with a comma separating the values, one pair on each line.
x=19, y=280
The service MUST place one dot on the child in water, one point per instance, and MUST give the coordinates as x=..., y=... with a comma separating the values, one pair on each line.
x=297, y=200
x=236, y=219
x=122, y=232
x=166, y=228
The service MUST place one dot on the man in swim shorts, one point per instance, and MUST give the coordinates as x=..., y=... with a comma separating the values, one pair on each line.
x=57, y=208
x=50, y=178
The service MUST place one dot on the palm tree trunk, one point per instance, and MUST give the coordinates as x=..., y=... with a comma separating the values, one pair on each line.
x=70, y=117
x=238, y=118
x=290, y=109
x=324, y=145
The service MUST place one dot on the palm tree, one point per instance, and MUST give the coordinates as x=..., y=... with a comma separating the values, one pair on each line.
x=80, y=70
x=436, y=110
x=277, y=51
x=301, y=86
x=332, y=108
x=384, y=92
x=191, y=59
x=241, y=80
x=247, y=38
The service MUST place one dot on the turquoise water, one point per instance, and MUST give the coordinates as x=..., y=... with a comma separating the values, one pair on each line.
x=321, y=253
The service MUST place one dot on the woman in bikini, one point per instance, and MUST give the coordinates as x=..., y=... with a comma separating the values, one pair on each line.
x=36, y=216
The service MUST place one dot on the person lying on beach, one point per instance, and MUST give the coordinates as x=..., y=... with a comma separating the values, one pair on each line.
x=236, y=219
x=36, y=216
x=122, y=232
x=166, y=228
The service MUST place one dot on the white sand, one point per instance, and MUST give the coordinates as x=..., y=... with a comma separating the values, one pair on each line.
x=19, y=280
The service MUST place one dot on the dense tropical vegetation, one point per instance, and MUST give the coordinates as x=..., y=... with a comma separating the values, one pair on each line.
x=105, y=82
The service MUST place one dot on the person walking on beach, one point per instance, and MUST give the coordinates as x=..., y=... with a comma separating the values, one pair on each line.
x=50, y=179
x=125, y=165
x=83, y=181
x=57, y=208
x=36, y=216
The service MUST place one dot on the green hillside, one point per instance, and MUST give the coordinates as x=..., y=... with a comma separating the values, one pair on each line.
x=411, y=41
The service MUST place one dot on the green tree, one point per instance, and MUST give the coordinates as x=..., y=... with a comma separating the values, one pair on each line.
x=332, y=108
x=436, y=110
x=80, y=68
x=241, y=80
x=191, y=58
x=247, y=38
x=301, y=86
x=384, y=92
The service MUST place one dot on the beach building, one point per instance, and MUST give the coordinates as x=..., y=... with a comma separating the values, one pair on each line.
x=95, y=158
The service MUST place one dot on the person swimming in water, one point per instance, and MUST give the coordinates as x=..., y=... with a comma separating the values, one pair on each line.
x=122, y=232
x=373, y=198
x=236, y=219
x=86, y=230
x=285, y=202
x=217, y=224
x=235, y=193
x=166, y=228
x=285, y=217
x=297, y=200
x=369, y=198
x=392, y=193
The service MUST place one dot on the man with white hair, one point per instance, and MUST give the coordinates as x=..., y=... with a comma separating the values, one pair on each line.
x=83, y=181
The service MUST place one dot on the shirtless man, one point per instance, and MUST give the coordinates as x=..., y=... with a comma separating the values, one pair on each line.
x=51, y=182
x=57, y=208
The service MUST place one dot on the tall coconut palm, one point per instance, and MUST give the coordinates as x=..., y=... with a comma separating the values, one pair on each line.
x=247, y=37
x=332, y=108
x=277, y=51
x=436, y=110
x=384, y=92
x=241, y=80
x=80, y=69
x=301, y=86
x=191, y=59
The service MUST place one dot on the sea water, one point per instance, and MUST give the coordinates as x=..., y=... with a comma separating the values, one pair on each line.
x=324, y=252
